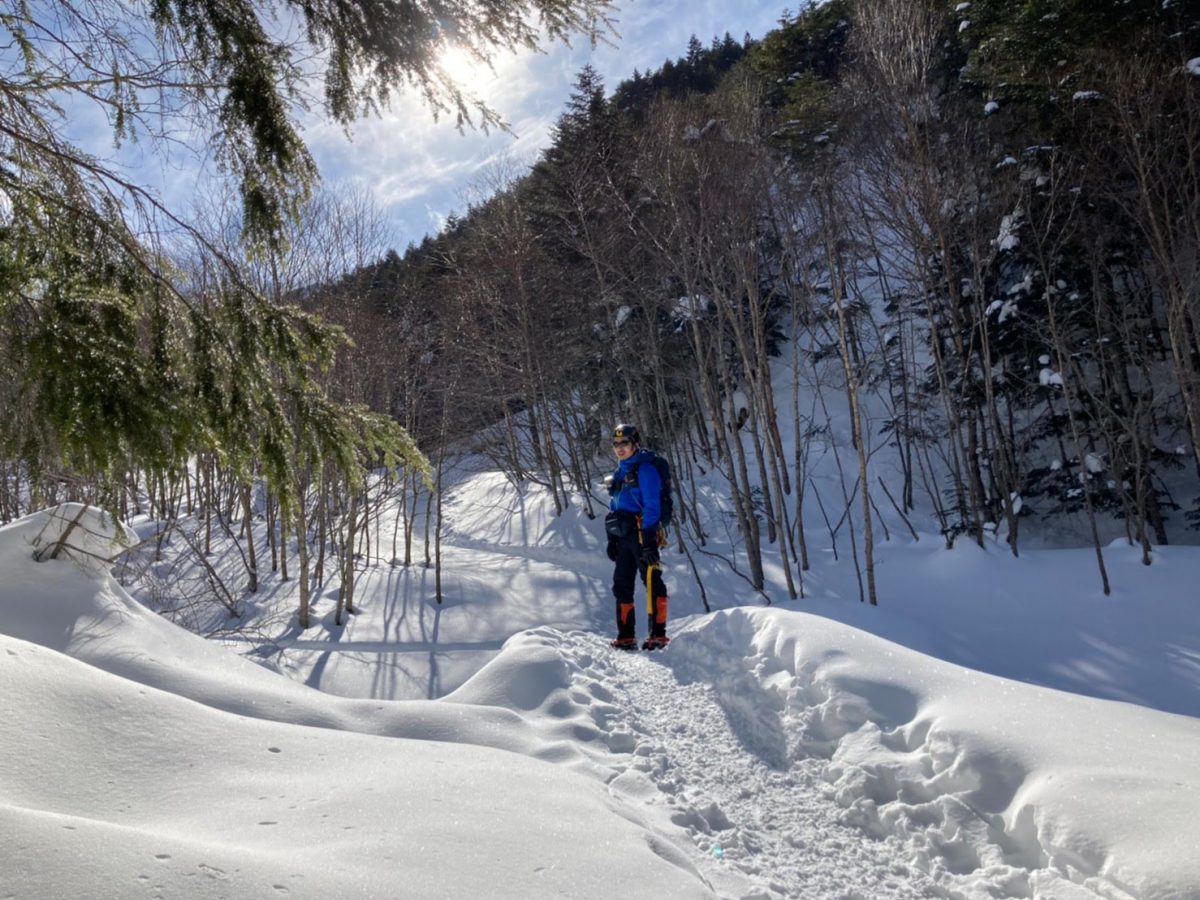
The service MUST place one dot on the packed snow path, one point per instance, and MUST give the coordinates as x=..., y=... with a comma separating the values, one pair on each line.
x=778, y=783
x=765, y=824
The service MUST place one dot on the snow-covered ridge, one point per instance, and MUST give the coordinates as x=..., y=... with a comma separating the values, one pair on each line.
x=991, y=784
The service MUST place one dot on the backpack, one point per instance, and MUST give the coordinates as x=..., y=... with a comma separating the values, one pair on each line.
x=666, y=503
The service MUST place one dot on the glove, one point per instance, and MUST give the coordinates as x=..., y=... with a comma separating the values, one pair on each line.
x=611, y=550
x=649, y=555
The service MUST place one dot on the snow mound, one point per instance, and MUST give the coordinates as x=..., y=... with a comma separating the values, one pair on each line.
x=152, y=795
x=88, y=616
x=163, y=764
x=990, y=783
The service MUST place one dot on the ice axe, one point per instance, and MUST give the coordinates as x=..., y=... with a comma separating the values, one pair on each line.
x=650, y=590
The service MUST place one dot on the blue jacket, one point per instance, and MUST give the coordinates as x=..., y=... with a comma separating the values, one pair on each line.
x=638, y=495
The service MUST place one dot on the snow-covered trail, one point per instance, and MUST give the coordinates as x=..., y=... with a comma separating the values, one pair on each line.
x=747, y=806
x=831, y=753
x=786, y=774
x=764, y=822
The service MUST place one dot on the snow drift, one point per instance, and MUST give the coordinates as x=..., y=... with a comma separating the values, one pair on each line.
x=766, y=753
x=139, y=760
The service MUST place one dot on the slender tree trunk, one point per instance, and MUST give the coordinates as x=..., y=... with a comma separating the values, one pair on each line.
x=251, y=552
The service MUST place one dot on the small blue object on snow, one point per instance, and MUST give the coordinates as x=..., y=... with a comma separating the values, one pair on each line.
x=718, y=852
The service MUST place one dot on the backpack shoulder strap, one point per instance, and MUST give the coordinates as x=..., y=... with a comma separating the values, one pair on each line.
x=636, y=468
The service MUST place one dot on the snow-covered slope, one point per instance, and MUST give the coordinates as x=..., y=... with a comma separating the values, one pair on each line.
x=111, y=789
x=139, y=760
x=768, y=752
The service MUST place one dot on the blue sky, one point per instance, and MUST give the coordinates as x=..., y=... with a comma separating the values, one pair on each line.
x=420, y=171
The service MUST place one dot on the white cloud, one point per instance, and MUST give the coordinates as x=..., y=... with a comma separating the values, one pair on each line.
x=420, y=168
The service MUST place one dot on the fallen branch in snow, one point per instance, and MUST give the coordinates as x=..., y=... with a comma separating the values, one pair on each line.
x=896, y=507
x=825, y=516
x=218, y=586
x=111, y=534
x=52, y=550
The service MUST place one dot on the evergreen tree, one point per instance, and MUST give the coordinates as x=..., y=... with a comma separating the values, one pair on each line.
x=800, y=62
x=113, y=361
x=699, y=71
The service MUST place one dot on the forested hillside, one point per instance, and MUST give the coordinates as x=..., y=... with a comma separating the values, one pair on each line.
x=973, y=227
x=970, y=231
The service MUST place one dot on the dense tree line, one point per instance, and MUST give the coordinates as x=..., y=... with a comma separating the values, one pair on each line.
x=970, y=228
x=965, y=231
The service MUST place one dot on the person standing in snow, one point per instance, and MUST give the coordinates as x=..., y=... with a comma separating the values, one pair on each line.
x=632, y=526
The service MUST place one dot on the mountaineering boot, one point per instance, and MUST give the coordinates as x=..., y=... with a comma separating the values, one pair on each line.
x=657, y=639
x=626, y=639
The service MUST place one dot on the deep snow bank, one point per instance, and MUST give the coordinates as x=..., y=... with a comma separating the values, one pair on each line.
x=990, y=785
x=85, y=614
x=976, y=773
x=137, y=759
x=112, y=789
